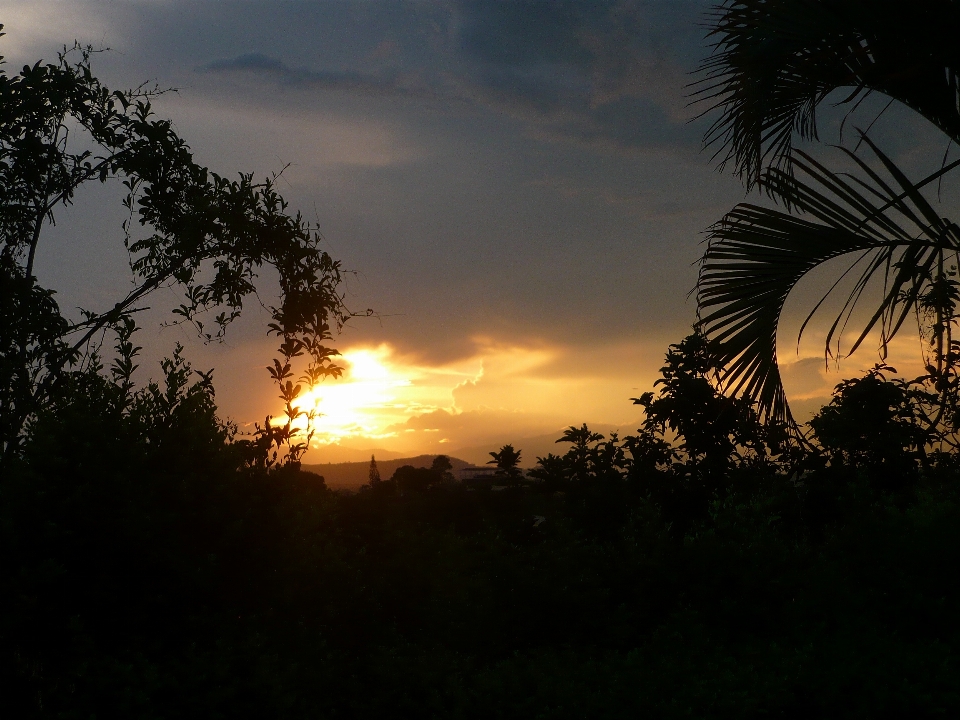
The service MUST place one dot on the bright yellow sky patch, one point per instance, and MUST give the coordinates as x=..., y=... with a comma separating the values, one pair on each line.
x=378, y=390
x=505, y=392
x=394, y=402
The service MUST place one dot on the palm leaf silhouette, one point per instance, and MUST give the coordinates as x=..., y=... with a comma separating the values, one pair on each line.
x=775, y=61
x=756, y=255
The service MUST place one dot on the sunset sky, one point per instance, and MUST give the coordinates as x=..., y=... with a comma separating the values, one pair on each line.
x=517, y=187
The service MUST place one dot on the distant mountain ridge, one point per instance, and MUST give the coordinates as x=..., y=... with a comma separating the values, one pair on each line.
x=351, y=475
x=534, y=446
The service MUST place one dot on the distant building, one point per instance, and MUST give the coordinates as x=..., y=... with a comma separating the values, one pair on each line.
x=472, y=474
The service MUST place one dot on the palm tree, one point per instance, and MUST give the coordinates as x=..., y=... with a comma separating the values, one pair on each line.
x=507, y=461
x=774, y=62
x=756, y=255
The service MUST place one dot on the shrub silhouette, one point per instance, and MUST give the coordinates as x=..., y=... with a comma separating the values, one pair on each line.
x=696, y=443
x=874, y=424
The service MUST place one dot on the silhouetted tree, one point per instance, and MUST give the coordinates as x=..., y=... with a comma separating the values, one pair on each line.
x=61, y=128
x=507, y=461
x=443, y=468
x=413, y=479
x=695, y=442
x=774, y=62
x=874, y=423
x=374, y=474
x=590, y=458
x=711, y=430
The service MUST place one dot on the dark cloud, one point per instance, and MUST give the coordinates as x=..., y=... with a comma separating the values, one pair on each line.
x=613, y=71
x=254, y=62
x=529, y=33
x=279, y=71
x=608, y=72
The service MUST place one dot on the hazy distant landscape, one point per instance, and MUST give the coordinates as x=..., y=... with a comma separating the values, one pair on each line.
x=530, y=447
x=351, y=475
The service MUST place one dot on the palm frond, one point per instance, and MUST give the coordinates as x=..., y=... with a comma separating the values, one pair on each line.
x=775, y=61
x=756, y=255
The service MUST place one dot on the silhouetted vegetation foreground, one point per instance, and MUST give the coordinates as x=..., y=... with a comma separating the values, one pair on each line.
x=153, y=566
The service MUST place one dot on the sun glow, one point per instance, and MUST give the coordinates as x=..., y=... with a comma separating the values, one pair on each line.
x=379, y=390
x=500, y=391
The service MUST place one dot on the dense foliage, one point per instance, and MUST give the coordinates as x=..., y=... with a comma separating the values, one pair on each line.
x=187, y=228
x=153, y=566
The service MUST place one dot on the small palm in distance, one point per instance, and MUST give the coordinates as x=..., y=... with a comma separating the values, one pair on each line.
x=507, y=461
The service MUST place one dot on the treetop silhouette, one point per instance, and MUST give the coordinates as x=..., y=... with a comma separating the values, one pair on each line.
x=187, y=227
x=775, y=61
x=507, y=461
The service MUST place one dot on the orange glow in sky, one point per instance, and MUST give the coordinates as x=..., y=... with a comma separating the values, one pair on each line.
x=501, y=392
x=509, y=393
x=379, y=390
